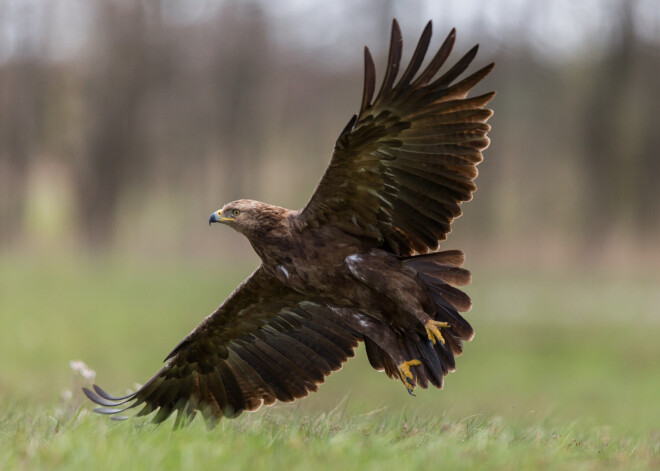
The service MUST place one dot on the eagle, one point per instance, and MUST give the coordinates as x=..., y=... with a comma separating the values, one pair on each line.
x=359, y=263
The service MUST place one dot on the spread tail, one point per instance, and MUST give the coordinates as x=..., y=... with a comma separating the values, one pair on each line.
x=441, y=273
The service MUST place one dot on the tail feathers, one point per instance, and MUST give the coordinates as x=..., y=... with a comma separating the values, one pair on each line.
x=440, y=267
x=375, y=354
x=453, y=258
x=454, y=296
x=433, y=369
x=452, y=275
x=447, y=312
x=441, y=272
x=437, y=360
x=379, y=359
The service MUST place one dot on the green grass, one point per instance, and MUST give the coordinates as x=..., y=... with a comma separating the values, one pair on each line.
x=563, y=373
x=275, y=440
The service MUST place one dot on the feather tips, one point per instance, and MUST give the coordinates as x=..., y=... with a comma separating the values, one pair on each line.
x=393, y=61
x=417, y=58
x=369, y=80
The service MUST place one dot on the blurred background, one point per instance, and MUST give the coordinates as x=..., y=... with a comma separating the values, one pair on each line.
x=124, y=124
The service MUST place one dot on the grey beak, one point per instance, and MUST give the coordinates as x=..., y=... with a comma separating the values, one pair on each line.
x=214, y=218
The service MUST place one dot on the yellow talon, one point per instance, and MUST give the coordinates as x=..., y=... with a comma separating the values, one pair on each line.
x=433, y=330
x=406, y=375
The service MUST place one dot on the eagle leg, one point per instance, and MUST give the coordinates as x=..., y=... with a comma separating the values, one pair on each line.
x=406, y=376
x=433, y=330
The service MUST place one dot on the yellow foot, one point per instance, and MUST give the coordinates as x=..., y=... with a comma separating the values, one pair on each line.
x=433, y=330
x=406, y=375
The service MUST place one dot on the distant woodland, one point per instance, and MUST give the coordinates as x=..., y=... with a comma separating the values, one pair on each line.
x=146, y=118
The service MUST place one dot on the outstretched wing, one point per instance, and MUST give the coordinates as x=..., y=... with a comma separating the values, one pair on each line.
x=402, y=166
x=264, y=343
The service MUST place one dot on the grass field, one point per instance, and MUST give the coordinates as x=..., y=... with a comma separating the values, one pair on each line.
x=564, y=373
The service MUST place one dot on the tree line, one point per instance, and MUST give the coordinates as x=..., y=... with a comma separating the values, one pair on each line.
x=218, y=107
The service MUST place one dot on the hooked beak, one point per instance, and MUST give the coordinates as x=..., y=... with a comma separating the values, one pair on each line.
x=215, y=217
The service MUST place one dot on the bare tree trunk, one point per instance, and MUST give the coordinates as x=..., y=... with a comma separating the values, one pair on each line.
x=605, y=157
x=22, y=88
x=242, y=71
x=648, y=215
x=114, y=155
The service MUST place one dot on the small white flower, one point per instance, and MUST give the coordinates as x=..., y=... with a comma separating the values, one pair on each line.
x=77, y=365
x=67, y=395
x=88, y=373
x=82, y=369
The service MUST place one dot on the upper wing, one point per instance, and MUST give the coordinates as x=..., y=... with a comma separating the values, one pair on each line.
x=264, y=343
x=402, y=166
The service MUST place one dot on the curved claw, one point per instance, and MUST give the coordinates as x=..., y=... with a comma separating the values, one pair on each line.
x=433, y=330
x=406, y=375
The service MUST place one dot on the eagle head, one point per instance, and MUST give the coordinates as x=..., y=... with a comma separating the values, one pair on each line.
x=249, y=217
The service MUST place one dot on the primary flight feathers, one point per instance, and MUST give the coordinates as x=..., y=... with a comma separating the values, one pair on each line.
x=404, y=164
x=350, y=266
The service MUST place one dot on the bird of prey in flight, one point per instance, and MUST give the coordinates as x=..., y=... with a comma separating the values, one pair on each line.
x=359, y=263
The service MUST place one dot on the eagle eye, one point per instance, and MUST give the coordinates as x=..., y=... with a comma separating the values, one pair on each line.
x=235, y=212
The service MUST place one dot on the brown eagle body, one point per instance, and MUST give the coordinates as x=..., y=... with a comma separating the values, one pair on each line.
x=358, y=263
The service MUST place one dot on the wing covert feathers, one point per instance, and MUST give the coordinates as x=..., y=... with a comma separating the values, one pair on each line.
x=400, y=172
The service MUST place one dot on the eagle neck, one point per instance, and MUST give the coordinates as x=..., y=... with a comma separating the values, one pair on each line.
x=274, y=241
